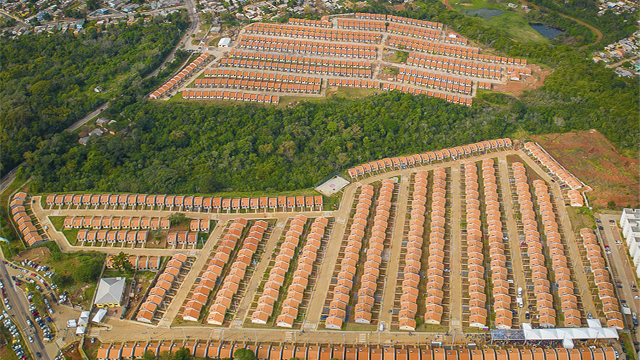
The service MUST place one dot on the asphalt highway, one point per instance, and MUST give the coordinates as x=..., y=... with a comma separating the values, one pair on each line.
x=20, y=313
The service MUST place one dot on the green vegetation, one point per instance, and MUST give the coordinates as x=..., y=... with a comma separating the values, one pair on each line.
x=57, y=222
x=76, y=268
x=515, y=23
x=198, y=149
x=244, y=354
x=121, y=262
x=48, y=81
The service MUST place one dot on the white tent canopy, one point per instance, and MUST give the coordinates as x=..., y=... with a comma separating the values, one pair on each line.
x=99, y=315
x=567, y=335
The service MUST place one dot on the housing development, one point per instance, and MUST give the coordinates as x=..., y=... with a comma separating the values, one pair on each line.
x=312, y=58
x=461, y=253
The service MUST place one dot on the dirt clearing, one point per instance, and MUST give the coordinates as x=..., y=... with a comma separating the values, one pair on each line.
x=592, y=158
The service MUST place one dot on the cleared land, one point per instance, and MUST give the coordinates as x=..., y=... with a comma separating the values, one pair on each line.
x=592, y=158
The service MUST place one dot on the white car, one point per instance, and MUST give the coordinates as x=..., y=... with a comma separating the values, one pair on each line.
x=30, y=339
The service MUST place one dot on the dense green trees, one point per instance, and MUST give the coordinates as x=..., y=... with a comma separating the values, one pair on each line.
x=48, y=80
x=194, y=148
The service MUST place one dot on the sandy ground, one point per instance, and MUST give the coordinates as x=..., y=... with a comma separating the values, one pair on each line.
x=532, y=82
x=594, y=160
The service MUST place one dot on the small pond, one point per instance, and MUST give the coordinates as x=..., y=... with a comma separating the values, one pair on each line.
x=484, y=13
x=546, y=30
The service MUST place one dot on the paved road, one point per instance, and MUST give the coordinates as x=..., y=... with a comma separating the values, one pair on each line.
x=190, y=279
x=512, y=229
x=20, y=312
x=8, y=178
x=455, y=276
x=136, y=331
x=243, y=308
x=397, y=234
x=571, y=251
x=621, y=269
x=90, y=116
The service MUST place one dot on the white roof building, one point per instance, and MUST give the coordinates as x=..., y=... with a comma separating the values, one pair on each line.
x=84, y=318
x=224, y=42
x=110, y=291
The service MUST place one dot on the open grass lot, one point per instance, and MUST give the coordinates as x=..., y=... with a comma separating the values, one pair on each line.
x=513, y=22
x=76, y=272
x=592, y=158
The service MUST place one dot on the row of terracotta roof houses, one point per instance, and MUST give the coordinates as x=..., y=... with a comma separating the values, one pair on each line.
x=435, y=262
x=399, y=19
x=138, y=262
x=361, y=24
x=261, y=76
x=537, y=261
x=498, y=259
x=300, y=281
x=23, y=221
x=325, y=23
x=230, y=95
x=130, y=237
x=434, y=80
x=231, y=283
x=297, y=68
x=255, y=85
x=160, y=290
x=454, y=99
x=215, y=266
x=278, y=272
x=552, y=165
x=298, y=60
x=455, y=66
x=292, y=31
x=401, y=42
x=559, y=263
x=575, y=198
x=475, y=253
x=427, y=158
x=116, y=222
x=263, y=43
x=413, y=257
x=602, y=278
x=422, y=33
x=188, y=203
x=182, y=237
x=354, y=83
x=351, y=256
x=179, y=78
x=217, y=350
x=369, y=279
x=368, y=282
x=464, y=52
x=300, y=276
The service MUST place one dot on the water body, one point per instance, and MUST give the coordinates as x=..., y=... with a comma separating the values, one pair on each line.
x=546, y=31
x=486, y=14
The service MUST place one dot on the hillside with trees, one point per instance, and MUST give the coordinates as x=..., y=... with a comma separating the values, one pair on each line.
x=49, y=81
x=202, y=148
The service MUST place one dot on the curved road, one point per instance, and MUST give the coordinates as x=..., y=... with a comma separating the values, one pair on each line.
x=8, y=178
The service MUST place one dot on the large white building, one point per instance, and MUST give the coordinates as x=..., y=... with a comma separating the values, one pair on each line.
x=630, y=224
x=110, y=291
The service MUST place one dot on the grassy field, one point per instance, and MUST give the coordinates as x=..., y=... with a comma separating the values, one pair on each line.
x=57, y=222
x=512, y=21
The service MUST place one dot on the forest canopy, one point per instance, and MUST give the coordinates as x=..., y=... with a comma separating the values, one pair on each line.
x=49, y=80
